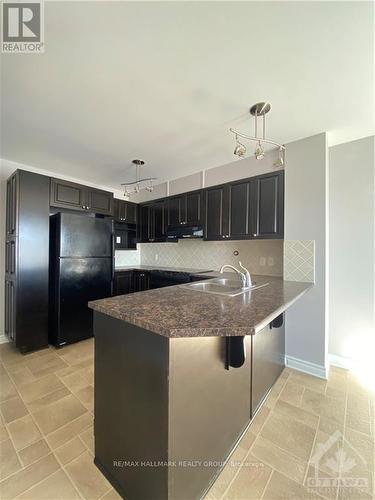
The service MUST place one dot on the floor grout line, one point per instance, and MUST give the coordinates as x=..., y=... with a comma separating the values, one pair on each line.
x=267, y=483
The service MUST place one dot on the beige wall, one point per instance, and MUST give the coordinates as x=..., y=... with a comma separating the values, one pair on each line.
x=306, y=218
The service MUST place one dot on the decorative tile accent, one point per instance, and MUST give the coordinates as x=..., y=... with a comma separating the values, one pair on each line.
x=299, y=260
x=259, y=256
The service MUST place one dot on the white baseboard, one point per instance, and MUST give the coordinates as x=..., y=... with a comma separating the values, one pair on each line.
x=341, y=361
x=3, y=339
x=306, y=367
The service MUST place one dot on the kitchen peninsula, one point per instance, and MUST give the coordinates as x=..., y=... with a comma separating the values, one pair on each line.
x=179, y=375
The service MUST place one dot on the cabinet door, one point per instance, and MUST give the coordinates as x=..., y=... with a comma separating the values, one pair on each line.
x=216, y=224
x=142, y=281
x=193, y=208
x=239, y=198
x=123, y=283
x=119, y=208
x=100, y=202
x=11, y=257
x=67, y=194
x=267, y=206
x=144, y=227
x=158, y=221
x=11, y=205
x=174, y=209
x=268, y=359
x=10, y=309
x=131, y=212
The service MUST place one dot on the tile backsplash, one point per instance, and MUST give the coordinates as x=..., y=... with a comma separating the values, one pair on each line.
x=259, y=256
x=299, y=260
x=128, y=257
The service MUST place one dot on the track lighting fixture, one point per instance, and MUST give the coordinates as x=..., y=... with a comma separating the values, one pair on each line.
x=259, y=109
x=138, y=183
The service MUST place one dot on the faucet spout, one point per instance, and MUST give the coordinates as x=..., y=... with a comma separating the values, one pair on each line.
x=247, y=275
x=244, y=276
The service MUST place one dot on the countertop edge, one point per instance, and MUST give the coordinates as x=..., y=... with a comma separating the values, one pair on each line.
x=202, y=332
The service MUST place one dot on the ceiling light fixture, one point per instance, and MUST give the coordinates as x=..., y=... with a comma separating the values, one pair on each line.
x=136, y=186
x=258, y=109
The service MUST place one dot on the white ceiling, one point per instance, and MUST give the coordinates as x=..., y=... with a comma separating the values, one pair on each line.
x=165, y=81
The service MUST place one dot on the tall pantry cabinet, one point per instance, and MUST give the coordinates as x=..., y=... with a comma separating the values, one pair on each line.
x=26, y=260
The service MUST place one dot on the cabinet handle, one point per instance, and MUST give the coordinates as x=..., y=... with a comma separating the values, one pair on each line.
x=255, y=234
x=83, y=206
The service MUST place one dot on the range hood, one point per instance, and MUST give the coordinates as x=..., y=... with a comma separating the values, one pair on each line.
x=183, y=231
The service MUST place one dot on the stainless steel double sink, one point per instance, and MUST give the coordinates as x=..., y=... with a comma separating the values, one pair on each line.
x=221, y=286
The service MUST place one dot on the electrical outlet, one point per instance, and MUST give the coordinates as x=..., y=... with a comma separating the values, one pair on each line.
x=262, y=261
x=270, y=261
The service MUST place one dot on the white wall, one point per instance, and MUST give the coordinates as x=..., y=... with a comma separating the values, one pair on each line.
x=306, y=219
x=352, y=256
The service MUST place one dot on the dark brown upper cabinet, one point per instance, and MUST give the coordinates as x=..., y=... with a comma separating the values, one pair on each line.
x=152, y=225
x=125, y=211
x=247, y=209
x=185, y=209
x=193, y=208
x=267, y=206
x=100, y=202
x=66, y=194
x=239, y=226
x=216, y=209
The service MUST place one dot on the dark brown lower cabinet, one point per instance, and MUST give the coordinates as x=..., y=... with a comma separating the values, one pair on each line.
x=141, y=281
x=131, y=281
x=268, y=360
x=123, y=283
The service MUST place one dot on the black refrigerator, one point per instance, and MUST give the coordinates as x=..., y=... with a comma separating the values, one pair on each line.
x=81, y=269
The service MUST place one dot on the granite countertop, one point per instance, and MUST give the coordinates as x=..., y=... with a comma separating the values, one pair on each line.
x=161, y=268
x=176, y=311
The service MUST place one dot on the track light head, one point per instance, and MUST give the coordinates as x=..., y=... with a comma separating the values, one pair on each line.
x=259, y=152
x=240, y=149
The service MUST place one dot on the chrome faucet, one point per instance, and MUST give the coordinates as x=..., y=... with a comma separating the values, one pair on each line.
x=244, y=276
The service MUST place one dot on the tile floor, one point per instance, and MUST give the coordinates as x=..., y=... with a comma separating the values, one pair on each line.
x=312, y=439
